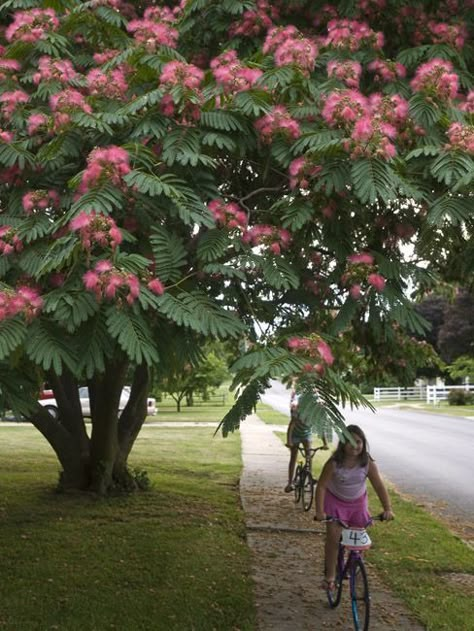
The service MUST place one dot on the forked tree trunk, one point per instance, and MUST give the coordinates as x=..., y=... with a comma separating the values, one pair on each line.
x=96, y=463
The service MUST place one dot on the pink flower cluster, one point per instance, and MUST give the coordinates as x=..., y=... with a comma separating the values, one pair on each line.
x=65, y=103
x=95, y=229
x=343, y=107
x=231, y=74
x=277, y=239
x=386, y=70
x=359, y=272
x=8, y=67
x=435, y=78
x=372, y=124
x=452, y=34
x=301, y=52
x=50, y=69
x=40, y=200
x=371, y=137
x=348, y=72
x=185, y=112
x=11, y=100
x=461, y=137
x=9, y=242
x=352, y=36
x=468, y=104
x=6, y=136
x=316, y=349
x=278, y=121
x=301, y=170
x=110, y=85
x=228, y=215
x=105, y=165
x=30, y=26
x=36, y=122
x=289, y=47
x=106, y=281
x=25, y=301
x=254, y=22
x=152, y=31
x=181, y=73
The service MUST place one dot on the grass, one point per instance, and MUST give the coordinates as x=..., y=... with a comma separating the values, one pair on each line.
x=442, y=407
x=417, y=556
x=172, y=558
x=202, y=412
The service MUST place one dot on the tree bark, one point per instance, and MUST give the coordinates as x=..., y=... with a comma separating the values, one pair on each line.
x=104, y=399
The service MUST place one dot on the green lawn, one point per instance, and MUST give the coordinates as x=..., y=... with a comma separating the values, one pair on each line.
x=173, y=558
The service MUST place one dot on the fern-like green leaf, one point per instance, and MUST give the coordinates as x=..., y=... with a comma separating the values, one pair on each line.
x=226, y=271
x=15, y=153
x=169, y=253
x=154, y=185
x=243, y=406
x=373, y=180
x=70, y=308
x=133, y=336
x=223, y=120
x=201, y=314
x=48, y=347
x=452, y=166
x=253, y=102
x=451, y=208
x=297, y=215
x=279, y=273
x=212, y=245
x=12, y=333
x=423, y=111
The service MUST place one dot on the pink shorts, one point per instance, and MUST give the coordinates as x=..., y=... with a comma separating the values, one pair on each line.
x=354, y=513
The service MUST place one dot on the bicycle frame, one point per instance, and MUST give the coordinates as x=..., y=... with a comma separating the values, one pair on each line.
x=350, y=565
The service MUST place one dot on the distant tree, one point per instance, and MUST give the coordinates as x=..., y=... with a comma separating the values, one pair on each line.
x=456, y=334
x=208, y=372
x=462, y=368
x=432, y=309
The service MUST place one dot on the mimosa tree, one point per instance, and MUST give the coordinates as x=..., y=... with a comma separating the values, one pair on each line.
x=177, y=172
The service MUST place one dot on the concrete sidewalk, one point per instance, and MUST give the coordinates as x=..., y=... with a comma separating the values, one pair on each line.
x=287, y=548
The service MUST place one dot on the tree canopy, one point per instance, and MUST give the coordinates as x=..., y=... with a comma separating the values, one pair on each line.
x=252, y=170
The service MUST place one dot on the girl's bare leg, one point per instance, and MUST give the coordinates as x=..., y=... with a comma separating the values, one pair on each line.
x=333, y=535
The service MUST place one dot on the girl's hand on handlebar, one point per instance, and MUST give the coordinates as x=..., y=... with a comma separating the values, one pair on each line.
x=320, y=516
x=387, y=515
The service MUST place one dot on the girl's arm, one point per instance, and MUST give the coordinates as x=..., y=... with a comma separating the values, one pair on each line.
x=379, y=488
x=326, y=474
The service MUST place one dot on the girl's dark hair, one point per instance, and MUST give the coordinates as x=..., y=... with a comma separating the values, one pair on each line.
x=364, y=457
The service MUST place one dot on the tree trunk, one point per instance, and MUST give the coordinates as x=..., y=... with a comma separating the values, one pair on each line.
x=99, y=463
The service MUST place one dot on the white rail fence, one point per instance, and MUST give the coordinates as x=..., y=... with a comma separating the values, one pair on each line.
x=430, y=394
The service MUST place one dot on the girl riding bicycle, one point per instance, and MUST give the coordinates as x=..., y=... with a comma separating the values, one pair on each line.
x=341, y=493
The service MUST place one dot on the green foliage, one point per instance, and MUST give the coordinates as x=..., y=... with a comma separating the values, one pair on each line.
x=198, y=161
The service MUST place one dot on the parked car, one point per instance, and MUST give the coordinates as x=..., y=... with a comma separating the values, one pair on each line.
x=52, y=407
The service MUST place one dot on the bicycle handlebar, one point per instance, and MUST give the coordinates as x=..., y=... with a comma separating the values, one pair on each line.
x=330, y=519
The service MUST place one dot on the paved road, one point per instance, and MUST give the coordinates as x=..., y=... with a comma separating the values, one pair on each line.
x=429, y=456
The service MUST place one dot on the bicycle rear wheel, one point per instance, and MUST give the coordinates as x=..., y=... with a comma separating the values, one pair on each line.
x=308, y=490
x=360, y=596
x=297, y=482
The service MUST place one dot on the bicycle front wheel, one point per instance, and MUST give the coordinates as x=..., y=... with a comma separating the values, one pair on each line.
x=297, y=482
x=308, y=490
x=360, y=596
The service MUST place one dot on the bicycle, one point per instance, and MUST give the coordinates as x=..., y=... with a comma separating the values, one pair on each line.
x=303, y=482
x=350, y=565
